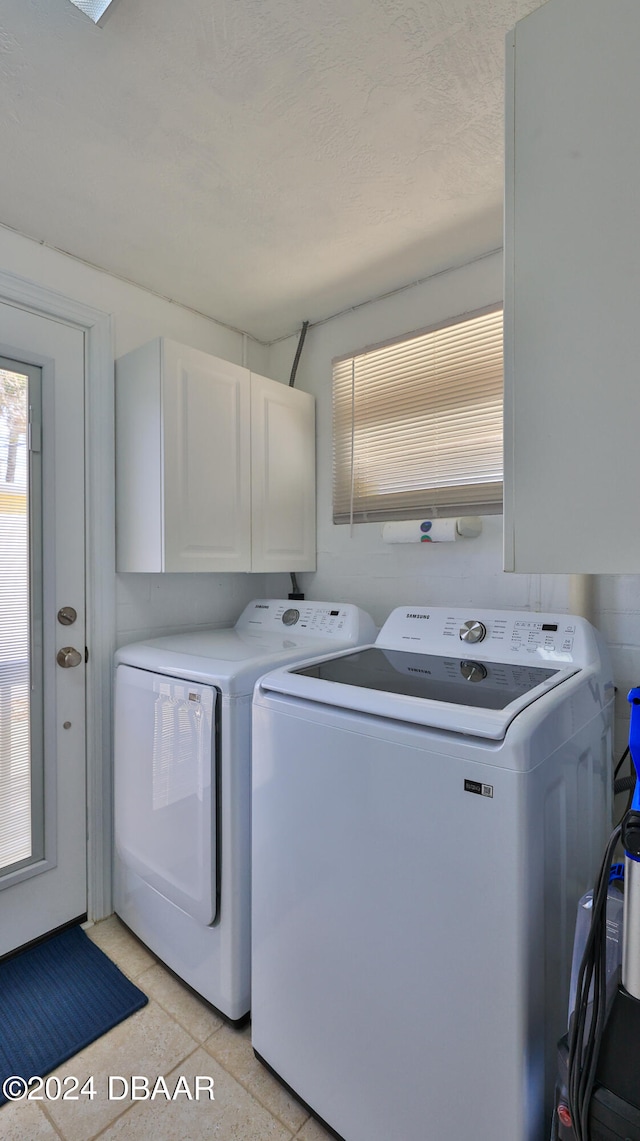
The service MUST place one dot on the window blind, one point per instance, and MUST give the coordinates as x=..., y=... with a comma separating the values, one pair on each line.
x=15, y=669
x=417, y=424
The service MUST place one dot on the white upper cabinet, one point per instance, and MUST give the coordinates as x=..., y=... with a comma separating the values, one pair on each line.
x=572, y=289
x=185, y=435
x=283, y=515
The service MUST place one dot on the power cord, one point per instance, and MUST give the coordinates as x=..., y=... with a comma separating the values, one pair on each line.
x=624, y=784
x=621, y=762
x=590, y=1011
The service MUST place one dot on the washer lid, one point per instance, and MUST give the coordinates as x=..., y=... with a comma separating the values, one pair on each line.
x=459, y=694
x=456, y=681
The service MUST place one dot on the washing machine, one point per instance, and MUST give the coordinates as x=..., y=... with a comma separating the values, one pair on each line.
x=427, y=811
x=182, y=761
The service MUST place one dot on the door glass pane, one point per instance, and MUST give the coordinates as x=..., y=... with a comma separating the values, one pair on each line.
x=21, y=804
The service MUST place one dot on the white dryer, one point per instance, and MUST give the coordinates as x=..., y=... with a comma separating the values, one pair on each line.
x=182, y=760
x=426, y=814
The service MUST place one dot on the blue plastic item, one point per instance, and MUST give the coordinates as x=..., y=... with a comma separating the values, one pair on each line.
x=634, y=748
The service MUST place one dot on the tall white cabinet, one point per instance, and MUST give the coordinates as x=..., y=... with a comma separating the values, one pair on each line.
x=572, y=289
x=215, y=465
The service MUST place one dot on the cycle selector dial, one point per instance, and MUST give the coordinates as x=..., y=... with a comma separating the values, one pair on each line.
x=473, y=631
x=473, y=671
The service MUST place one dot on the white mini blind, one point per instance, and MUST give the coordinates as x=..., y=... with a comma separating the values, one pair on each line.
x=417, y=424
x=15, y=728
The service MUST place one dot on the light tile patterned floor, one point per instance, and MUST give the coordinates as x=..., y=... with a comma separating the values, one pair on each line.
x=175, y=1034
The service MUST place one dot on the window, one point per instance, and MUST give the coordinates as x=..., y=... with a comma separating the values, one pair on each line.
x=417, y=424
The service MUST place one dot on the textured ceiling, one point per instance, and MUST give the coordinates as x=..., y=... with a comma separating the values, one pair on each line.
x=262, y=161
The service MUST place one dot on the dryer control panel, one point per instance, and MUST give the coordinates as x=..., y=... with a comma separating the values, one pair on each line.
x=493, y=634
x=333, y=620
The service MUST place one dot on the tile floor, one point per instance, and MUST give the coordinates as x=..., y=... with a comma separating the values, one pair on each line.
x=175, y=1034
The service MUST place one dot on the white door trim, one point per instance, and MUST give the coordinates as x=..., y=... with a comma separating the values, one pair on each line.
x=99, y=563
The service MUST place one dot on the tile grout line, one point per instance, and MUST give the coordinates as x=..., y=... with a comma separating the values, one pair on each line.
x=125, y=1108
x=132, y=1105
x=252, y=1093
x=173, y=1016
x=247, y=1088
x=199, y=1045
x=51, y=1122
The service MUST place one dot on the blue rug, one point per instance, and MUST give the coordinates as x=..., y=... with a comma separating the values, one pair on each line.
x=56, y=998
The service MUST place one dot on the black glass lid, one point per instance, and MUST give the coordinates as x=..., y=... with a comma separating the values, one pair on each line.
x=456, y=681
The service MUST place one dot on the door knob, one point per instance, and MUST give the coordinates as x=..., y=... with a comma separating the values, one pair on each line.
x=68, y=657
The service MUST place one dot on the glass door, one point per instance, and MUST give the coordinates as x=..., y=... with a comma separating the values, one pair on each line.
x=43, y=655
x=21, y=691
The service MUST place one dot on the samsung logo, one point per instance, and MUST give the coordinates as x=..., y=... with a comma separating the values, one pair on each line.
x=416, y=616
x=415, y=670
x=261, y=606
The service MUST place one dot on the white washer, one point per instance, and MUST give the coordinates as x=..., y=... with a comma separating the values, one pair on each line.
x=183, y=784
x=426, y=814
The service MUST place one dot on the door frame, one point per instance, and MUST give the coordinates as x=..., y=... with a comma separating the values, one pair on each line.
x=99, y=563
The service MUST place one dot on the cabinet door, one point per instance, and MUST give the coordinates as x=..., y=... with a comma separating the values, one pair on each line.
x=207, y=463
x=283, y=512
x=572, y=274
x=139, y=474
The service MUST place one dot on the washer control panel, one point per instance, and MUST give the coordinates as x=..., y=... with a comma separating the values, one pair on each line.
x=301, y=619
x=494, y=634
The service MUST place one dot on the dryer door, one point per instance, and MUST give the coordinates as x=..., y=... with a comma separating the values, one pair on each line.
x=165, y=787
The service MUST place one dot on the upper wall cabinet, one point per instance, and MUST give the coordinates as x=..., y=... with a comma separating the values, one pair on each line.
x=283, y=498
x=572, y=289
x=215, y=466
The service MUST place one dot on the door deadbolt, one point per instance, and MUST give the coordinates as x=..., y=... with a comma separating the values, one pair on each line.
x=67, y=615
x=68, y=657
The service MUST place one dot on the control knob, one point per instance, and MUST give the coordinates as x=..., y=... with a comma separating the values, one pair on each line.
x=473, y=631
x=290, y=616
x=473, y=671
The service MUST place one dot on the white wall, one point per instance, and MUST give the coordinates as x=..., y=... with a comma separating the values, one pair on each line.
x=361, y=568
x=358, y=568
x=148, y=604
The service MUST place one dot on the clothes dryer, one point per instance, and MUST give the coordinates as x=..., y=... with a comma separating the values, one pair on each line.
x=183, y=784
x=427, y=811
